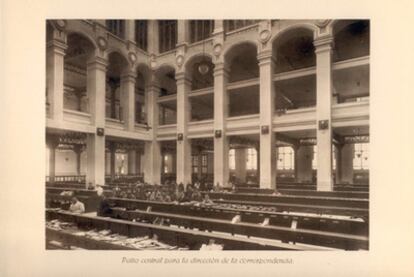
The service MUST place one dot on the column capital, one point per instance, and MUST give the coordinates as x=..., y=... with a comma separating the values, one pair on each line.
x=182, y=78
x=98, y=63
x=52, y=141
x=78, y=148
x=57, y=46
x=221, y=69
x=265, y=57
x=129, y=76
x=323, y=44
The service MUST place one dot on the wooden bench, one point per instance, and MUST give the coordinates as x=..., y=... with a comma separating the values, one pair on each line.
x=172, y=236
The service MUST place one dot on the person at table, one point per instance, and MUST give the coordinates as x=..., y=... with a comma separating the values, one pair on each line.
x=104, y=208
x=76, y=206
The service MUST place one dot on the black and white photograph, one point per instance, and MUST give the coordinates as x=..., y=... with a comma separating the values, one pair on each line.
x=207, y=134
x=206, y=138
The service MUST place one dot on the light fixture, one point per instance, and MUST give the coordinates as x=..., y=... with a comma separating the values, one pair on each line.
x=203, y=66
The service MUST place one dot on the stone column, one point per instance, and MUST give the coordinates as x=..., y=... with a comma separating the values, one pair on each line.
x=153, y=39
x=96, y=74
x=267, y=136
x=132, y=163
x=338, y=158
x=54, y=76
x=296, y=160
x=152, y=149
x=130, y=30
x=183, y=32
x=347, y=163
x=112, y=159
x=218, y=26
x=52, y=142
x=304, y=164
x=183, y=117
x=323, y=50
x=78, y=149
x=152, y=162
x=221, y=144
x=138, y=157
x=240, y=157
x=96, y=159
x=128, y=99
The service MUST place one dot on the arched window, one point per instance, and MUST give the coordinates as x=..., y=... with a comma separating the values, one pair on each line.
x=286, y=158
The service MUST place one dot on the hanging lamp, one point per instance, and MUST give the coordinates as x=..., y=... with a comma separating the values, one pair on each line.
x=203, y=66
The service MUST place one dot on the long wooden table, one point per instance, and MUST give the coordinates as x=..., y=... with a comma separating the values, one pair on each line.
x=293, y=199
x=54, y=200
x=311, y=222
x=286, y=234
x=329, y=210
x=307, y=192
x=171, y=235
x=77, y=192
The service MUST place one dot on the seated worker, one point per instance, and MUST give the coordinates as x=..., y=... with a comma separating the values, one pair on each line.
x=207, y=199
x=76, y=206
x=104, y=208
x=99, y=190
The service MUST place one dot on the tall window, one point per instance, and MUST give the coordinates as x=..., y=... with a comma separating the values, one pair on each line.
x=117, y=27
x=286, y=158
x=361, y=156
x=315, y=157
x=204, y=164
x=251, y=159
x=141, y=34
x=167, y=34
x=231, y=25
x=201, y=29
x=232, y=159
x=195, y=163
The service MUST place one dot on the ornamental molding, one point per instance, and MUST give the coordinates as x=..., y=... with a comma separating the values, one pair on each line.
x=102, y=43
x=59, y=24
x=132, y=57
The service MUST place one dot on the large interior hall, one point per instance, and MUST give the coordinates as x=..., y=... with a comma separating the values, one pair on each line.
x=207, y=134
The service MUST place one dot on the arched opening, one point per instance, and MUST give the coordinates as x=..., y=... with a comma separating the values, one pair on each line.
x=351, y=80
x=243, y=87
x=117, y=64
x=351, y=39
x=200, y=71
x=167, y=101
x=79, y=50
x=294, y=51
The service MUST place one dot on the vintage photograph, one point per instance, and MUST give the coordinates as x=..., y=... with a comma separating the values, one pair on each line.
x=203, y=134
